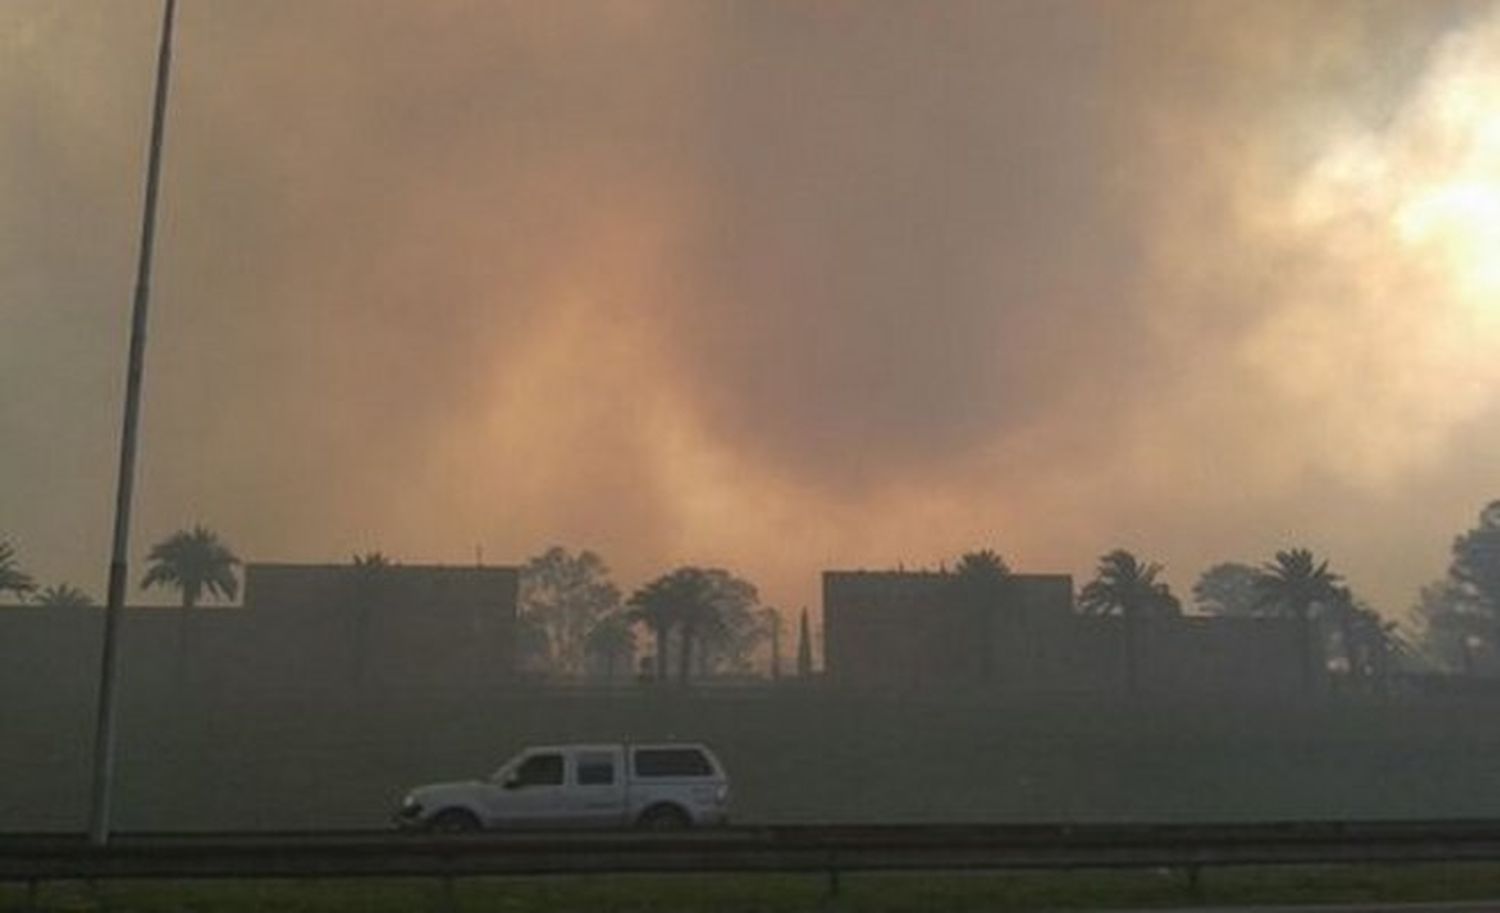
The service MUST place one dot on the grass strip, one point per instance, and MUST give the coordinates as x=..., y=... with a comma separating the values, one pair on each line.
x=875, y=892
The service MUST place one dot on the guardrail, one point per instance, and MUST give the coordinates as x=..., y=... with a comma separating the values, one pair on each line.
x=821, y=849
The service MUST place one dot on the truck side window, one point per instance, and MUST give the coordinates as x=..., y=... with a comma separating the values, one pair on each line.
x=671, y=762
x=541, y=770
x=595, y=768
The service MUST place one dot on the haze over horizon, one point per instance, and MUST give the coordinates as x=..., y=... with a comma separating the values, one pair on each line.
x=777, y=287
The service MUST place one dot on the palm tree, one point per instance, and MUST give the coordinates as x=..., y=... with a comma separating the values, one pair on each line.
x=698, y=619
x=372, y=560
x=63, y=596
x=1126, y=587
x=12, y=578
x=1346, y=613
x=192, y=562
x=1294, y=584
x=705, y=606
x=658, y=606
x=978, y=585
x=611, y=640
x=1381, y=643
x=1367, y=640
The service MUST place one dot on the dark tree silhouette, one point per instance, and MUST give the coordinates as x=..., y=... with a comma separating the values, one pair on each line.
x=567, y=594
x=771, y=619
x=369, y=585
x=1294, y=585
x=804, y=649
x=1376, y=644
x=532, y=649
x=1341, y=611
x=63, y=596
x=978, y=585
x=1475, y=569
x=659, y=605
x=1228, y=589
x=611, y=644
x=1126, y=587
x=12, y=578
x=696, y=616
x=1476, y=557
x=733, y=629
x=1458, y=618
x=1366, y=640
x=1451, y=628
x=193, y=562
x=709, y=609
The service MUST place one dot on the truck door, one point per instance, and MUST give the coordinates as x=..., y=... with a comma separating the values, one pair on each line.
x=533, y=795
x=596, y=788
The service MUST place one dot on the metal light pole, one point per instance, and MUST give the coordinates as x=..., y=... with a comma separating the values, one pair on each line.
x=104, y=732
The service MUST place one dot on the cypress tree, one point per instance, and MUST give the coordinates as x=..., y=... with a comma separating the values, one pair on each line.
x=804, y=648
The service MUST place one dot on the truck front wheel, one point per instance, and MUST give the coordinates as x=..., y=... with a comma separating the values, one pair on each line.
x=454, y=821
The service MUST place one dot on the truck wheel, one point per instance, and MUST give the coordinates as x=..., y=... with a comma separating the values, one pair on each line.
x=454, y=821
x=664, y=818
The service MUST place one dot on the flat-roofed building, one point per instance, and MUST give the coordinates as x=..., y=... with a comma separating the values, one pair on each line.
x=908, y=629
x=313, y=630
x=916, y=630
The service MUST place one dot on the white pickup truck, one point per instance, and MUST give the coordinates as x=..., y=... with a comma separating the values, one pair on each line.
x=662, y=787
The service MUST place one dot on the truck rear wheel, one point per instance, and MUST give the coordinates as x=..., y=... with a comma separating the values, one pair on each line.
x=664, y=818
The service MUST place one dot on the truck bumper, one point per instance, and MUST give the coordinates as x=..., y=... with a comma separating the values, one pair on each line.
x=408, y=819
x=713, y=817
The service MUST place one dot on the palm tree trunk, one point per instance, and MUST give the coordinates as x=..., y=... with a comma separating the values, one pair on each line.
x=1382, y=662
x=1304, y=627
x=180, y=664
x=1351, y=654
x=685, y=656
x=986, y=641
x=1132, y=676
x=361, y=644
x=661, y=652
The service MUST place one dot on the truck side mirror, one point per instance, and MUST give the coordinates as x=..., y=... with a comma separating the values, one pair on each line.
x=512, y=781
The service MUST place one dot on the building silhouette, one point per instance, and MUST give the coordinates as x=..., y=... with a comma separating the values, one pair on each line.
x=909, y=631
x=317, y=630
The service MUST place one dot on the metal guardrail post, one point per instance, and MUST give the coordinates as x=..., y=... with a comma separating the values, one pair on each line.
x=1195, y=882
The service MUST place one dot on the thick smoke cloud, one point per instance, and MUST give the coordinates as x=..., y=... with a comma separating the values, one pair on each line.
x=777, y=286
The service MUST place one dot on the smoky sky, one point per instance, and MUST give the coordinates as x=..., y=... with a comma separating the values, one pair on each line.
x=778, y=286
